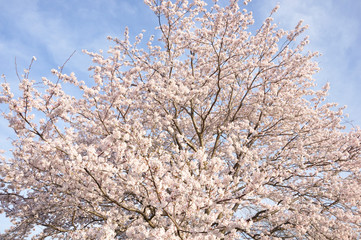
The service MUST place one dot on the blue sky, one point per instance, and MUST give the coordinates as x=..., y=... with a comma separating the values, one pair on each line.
x=52, y=30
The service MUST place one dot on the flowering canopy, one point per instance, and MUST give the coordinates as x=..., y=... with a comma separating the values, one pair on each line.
x=209, y=132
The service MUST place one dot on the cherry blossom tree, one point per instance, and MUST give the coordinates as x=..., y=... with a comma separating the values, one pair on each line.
x=212, y=131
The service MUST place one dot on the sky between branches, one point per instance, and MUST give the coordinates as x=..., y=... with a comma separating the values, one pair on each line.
x=52, y=30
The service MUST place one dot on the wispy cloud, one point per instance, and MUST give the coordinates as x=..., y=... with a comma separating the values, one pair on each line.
x=52, y=30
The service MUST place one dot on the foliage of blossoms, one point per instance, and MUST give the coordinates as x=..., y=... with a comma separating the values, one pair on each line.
x=209, y=132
